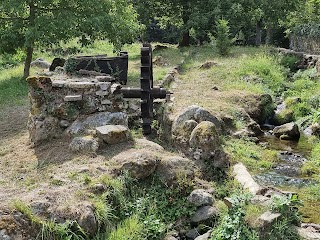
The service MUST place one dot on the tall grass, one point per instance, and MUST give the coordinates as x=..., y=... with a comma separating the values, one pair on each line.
x=263, y=69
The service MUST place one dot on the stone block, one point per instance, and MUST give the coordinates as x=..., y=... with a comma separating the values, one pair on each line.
x=58, y=83
x=113, y=134
x=200, y=197
x=267, y=219
x=86, y=144
x=81, y=85
x=73, y=98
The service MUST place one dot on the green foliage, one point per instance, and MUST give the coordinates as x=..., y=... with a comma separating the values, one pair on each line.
x=28, y=25
x=232, y=226
x=308, y=30
x=11, y=60
x=36, y=22
x=70, y=230
x=312, y=166
x=283, y=229
x=306, y=19
x=305, y=87
x=223, y=41
x=290, y=62
x=149, y=204
x=288, y=207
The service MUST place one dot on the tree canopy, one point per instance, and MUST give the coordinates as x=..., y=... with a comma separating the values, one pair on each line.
x=29, y=24
x=36, y=23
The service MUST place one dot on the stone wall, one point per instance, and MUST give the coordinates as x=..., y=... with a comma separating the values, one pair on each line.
x=69, y=105
x=309, y=45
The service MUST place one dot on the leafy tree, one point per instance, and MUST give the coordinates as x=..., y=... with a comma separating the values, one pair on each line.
x=309, y=12
x=29, y=24
x=259, y=15
x=199, y=15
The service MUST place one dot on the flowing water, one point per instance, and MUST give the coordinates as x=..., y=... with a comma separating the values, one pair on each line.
x=291, y=156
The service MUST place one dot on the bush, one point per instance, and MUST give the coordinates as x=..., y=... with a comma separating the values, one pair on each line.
x=290, y=61
x=222, y=39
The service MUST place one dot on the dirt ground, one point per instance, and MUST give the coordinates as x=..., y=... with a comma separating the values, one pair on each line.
x=48, y=172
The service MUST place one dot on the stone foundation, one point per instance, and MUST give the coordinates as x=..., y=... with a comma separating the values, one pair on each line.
x=73, y=105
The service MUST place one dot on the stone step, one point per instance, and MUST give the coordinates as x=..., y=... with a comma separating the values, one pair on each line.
x=113, y=134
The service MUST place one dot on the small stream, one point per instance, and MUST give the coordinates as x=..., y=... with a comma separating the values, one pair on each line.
x=292, y=155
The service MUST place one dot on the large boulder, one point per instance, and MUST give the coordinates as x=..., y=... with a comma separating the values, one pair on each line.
x=309, y=231
x=172, y=167
x=205, y=140
x=289, y=131
x=260, y=107
x=98, y=120
x=283, y=117
x=204, y=214
x=195, y=113
x=139, y=163
x=40, y=63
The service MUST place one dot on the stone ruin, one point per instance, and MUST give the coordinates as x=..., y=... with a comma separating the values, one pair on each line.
x=65, y=105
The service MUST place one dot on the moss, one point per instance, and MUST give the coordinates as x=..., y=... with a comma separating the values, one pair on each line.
x=284, y=117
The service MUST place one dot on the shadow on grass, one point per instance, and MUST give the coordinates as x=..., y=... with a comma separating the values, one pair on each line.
x=13, y=102
x=13, y=88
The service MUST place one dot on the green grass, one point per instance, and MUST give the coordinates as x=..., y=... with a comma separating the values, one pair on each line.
x=129, y=229
x=263, y=70
x=13, y=89
x=254, y=157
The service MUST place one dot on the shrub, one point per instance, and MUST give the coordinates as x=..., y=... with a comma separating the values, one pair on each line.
x=222, y=39
x=290, y=61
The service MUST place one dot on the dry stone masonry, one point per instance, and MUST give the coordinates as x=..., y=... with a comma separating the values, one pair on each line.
x=74, y=106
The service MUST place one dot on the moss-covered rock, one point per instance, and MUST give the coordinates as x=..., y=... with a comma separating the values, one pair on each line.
x=260, y=107
x=205, y=140
x=283, y=117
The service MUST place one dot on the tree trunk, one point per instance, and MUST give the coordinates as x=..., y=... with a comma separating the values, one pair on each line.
x=185, y=42
x=27, y=62
x=258, y=33
x=269, y=37
x=29, y=42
